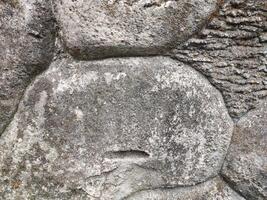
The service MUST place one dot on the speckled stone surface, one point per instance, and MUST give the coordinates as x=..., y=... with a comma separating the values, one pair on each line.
x=105, y=28
x=117, y=126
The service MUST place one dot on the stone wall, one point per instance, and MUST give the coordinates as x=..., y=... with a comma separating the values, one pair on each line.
x=133, y=99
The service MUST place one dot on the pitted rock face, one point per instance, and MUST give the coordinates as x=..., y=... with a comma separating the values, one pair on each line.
x=106, y=28
x=116, y=126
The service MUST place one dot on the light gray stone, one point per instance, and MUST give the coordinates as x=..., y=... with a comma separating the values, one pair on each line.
x=214, y=189
x=246, y=163
x=105, y=28
x=26, y=49
x=113, y=127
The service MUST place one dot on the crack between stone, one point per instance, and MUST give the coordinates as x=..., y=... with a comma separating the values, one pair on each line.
x=180, y=187
x=231, y=186
x=34, y=77
x=12, y=117
x=164, y=187
x=17, y=107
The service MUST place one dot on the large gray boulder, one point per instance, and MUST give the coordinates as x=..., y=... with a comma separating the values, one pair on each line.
x=246, y=163
x=113, y=127
x=105, y=28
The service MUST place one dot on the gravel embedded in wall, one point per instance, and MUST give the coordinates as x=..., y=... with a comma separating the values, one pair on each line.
x=231, y=52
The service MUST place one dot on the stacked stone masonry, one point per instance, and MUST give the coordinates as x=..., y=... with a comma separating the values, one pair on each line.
x=133, y=99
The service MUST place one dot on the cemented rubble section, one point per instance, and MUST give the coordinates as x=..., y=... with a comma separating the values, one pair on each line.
x=26, y=48
x=246, y=163
x=116, y=126
x=107, y=28
x=231, y=52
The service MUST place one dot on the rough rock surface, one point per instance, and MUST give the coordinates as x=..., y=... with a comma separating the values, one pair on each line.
x=133, y=128
x=214, y=189
x=105, y=28
x=231, y=52
x=26, y=48
x=115, y=126
x=246, y=164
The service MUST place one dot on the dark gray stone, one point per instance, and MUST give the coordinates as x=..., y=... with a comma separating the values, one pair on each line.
x=246, y=163
x=26, y=49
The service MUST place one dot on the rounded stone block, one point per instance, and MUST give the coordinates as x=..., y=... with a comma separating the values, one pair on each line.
x=116, y=126
x=246, y=163
x=107, y=28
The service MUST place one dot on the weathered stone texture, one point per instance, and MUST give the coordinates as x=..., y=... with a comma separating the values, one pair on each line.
x=153, y=128
x=231, y=52
x=26, y=48
x=105, y=28
x=116, y=126
x=246, y=164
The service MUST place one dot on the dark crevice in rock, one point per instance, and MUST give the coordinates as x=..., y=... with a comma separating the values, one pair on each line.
x=32, y=73
x=230, y=184
x=28, y=47
x=169, y=188
x=11, y=117
x=130, y=154
x=32, y=79
x=110, y=57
